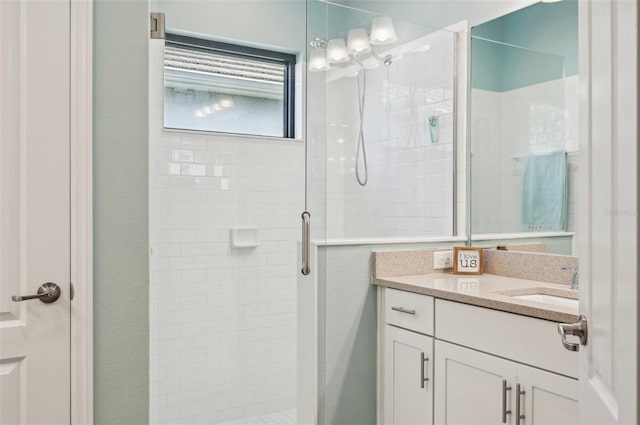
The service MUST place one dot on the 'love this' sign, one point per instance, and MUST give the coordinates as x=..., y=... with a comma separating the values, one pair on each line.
x=467, y=260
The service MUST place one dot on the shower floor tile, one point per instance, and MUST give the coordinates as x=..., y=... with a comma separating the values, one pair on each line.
x=285, y=417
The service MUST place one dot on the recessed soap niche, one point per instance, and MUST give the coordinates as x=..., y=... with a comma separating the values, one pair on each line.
x=244, y=237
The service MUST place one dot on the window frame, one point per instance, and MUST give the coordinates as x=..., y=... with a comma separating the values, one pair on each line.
x=288, y=60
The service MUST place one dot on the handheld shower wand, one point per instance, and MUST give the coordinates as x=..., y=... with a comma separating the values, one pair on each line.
x=362, y=173
x=361, y=147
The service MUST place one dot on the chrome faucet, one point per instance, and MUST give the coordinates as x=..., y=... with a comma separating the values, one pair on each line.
x=575, y=284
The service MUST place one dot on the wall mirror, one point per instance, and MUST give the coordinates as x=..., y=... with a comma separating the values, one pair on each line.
x=524, y=127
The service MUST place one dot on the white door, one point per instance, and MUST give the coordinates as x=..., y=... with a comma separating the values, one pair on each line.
x=609, y=200
x=472, y=387
x=34, y=211
x=408, y=392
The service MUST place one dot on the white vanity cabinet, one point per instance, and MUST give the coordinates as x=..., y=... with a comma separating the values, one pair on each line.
x=549, y=398
x=470, y=386
x=408, y=373
x=445, y=362
x=477, y=388
x=407, y=353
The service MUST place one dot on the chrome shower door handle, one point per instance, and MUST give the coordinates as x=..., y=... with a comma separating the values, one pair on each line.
x=579, y=329
x=306, y=241
x=47, y=293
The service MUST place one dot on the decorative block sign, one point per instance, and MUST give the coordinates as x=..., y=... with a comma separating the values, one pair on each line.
x=467, y=260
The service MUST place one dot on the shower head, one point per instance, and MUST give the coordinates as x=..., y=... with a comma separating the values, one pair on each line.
x=318, y=43
x=386, y=60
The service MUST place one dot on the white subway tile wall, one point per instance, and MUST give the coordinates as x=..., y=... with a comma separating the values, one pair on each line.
x=410, y=188
x=507, y=126
x=222, y=319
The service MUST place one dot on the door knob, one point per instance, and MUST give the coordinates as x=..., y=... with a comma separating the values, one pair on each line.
x=47, y=293
x=578, y=329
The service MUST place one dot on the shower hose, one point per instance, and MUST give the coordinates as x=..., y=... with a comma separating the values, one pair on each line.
x=361, y=149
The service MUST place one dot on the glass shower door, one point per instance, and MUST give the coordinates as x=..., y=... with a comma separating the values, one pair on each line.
x=381, y=154
x=225, y=214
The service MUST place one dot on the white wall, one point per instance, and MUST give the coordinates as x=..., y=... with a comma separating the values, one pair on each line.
x=505, y=127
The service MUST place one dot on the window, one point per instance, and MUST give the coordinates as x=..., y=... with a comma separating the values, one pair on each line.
x=222, y=87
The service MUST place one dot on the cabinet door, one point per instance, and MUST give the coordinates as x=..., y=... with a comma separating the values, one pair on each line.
x=408, y=377
x=469, y=386
x=548, y=398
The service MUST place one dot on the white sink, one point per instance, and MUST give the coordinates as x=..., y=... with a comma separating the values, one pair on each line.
x=549, y=299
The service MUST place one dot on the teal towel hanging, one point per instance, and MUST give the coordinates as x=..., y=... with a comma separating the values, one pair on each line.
x=544, y=192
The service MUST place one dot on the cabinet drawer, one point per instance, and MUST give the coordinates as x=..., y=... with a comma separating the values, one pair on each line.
x=408, y=310
x=528, y=340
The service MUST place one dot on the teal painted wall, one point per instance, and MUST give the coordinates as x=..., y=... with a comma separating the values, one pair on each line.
x=547, y=27
x=548, y=36
x=347, y=309
x=121, y=266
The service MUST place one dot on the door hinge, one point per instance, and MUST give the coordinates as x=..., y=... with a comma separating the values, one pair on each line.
x=72, y=291
x=157, y=25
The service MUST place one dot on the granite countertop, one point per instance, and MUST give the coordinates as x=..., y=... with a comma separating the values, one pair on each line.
x=490, y=291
